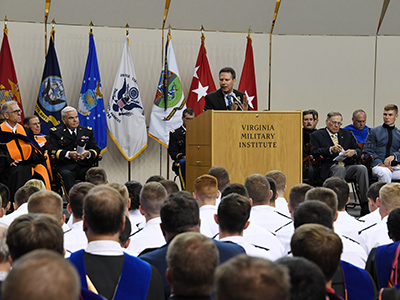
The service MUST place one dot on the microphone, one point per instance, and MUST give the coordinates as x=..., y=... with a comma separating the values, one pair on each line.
x=237, y=102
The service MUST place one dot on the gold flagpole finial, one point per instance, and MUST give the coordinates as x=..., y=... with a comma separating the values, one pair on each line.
x=53, y=24
x=202, y=30
x=5, y=22
x=127, y=29
x=91, y=26
x=249, y=31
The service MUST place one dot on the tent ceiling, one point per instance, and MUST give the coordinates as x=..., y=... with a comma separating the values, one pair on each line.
x=321, y=17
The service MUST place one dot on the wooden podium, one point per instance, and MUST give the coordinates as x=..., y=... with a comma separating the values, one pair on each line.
x=245, y=143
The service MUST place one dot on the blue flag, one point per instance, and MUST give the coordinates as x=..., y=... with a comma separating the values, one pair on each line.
x=91, y=105
x=51, y=99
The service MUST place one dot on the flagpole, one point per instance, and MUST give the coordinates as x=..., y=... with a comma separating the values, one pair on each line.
x=46, y=15
x=129, y=162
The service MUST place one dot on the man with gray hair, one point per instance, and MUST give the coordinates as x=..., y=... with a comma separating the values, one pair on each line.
x=340, y=152
x=74, y=147
x=359, y=126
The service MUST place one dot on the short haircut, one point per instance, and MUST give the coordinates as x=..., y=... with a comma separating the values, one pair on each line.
x=320, y=245
x=324, y=195
x=5, y=195
x=313, y=211
x=373, y=190
x=206, y=187
x=192, y=259
x=391, y=107
x=122, y=190
x=46, y=202
x=179, y=212
x=27, y=120
x=152, y=196
x=341, y=188
x=36, y=182
x=134, y=188
x=357, y=111
x=393, y=224
x=170, y=186
x=103, y=210
x=42, y=275
x=235, y=188
x=4, y=252
x=258, y=188
x=5, y=106
x=23, y=193
x=76, y=195
x=96, y=175
x=66, y=110
x=272, y=186
x=34, y=231
x=233, y=213
x=126, y=232
x=389, y=195
x=156, y=178
x=280, y=179
x=228, y=70
x=222, y=176
x=188, y=111
x=297, y=194
x=312, y=112
x=251, y=278
x=306, y=279
x=333, y=114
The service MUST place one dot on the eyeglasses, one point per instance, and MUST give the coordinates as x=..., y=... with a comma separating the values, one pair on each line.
x=17, y=111
x=335, y=123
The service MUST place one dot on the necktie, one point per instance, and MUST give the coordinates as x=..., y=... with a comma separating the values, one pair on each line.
x=229, y=97
x=74, y=135
x=336, y=142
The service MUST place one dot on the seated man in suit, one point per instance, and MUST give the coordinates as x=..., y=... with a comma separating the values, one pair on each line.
x=74, y=147
x=332, y=141
x=226, y=98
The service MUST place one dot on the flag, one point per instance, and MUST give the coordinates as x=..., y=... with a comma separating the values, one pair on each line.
x=51, y=99
x=9, y=89
x=202, y=82
x=125, y=114
x=167, y=115
x=248, y=79
x=91, y=105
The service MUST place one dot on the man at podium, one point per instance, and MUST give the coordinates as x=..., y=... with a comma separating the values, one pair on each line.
x=226, y=98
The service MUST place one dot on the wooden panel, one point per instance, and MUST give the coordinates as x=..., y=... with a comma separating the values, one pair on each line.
x=199, y=155
x=195, y=171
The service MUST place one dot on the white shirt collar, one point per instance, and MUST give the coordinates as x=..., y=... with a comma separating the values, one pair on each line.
x=106, y=248
x=14, y=129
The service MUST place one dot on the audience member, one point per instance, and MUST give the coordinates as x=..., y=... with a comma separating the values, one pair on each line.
x=36, y=182
x=96, y=175
x=124, y=236
x=272, y=186
x=5, y=197
x=136, y=218
x=223, y=179
x=373, y=193
x=280, y=202
x=156, y=178
x=4, y=255
x=170, y=186
x=359, y=126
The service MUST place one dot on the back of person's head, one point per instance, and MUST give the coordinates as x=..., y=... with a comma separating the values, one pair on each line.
x=297, y=194
x=251, y=278
x=46, y=202
x=134, y=188
x=4, y=252
x=341, y=188
x=152, y=196
x=23, y=193
x=192, y=259
x=76, y=195
x=206, y=188
x=34, y=231
x=235, y=188
x=122, y=190
x=36, y=182
x=5, y=195
x=221, y=174
x=170, y=186
x=125, y=233
x=389, y=196
x=156, y=178
x=272, y=186
x=233, y=213
x=319, y=244
x=373, y=190
x=179, y=213
x=96, y=175
x=313, y=211
x=42, y=275
x=280, y=179
x=103, y=210
x=258, y=188
x=306, y=279
x=326, y=196
x=393, y=224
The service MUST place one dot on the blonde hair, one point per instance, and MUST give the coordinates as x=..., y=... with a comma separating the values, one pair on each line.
x=37, y=183
x=389, y=195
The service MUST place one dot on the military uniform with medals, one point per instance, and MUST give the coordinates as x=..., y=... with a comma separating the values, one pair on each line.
x=177, y=151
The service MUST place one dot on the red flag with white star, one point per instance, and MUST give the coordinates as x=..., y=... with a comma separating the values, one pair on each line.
x=202, y=82
x=9, y=89
x=248, y=79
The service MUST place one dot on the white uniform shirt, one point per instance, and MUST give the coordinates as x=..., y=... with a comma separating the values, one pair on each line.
x=75, y=239
x=348, y=225
x=371, y=218
x=375, y=236
x=267, y=217
x=208, y=227
x=353, y=253
x=21, y=210
x=105, y=248
x=137, y=219
x=281, y=206
x=284, y=234
x=250, y=249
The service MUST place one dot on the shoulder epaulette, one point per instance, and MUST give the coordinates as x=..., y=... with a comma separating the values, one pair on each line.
x=90, y=128
x=259, y=247
x=362, y=221
x=283, y=215
x=53, y=129
x=215, y=236
x=136, y=232
x=350, y=239
x=366, y=228
x=284, y=226
x=67, y=231
x=173, y=130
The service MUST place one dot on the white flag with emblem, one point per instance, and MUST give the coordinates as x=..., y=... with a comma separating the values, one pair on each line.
x=167, y=115
x=125, y=114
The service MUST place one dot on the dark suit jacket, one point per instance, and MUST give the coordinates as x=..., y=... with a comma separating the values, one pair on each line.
x=321, y=142
x=216, y=100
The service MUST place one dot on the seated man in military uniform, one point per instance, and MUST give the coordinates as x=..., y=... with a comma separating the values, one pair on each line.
x=74, y=147
x=177, y=146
